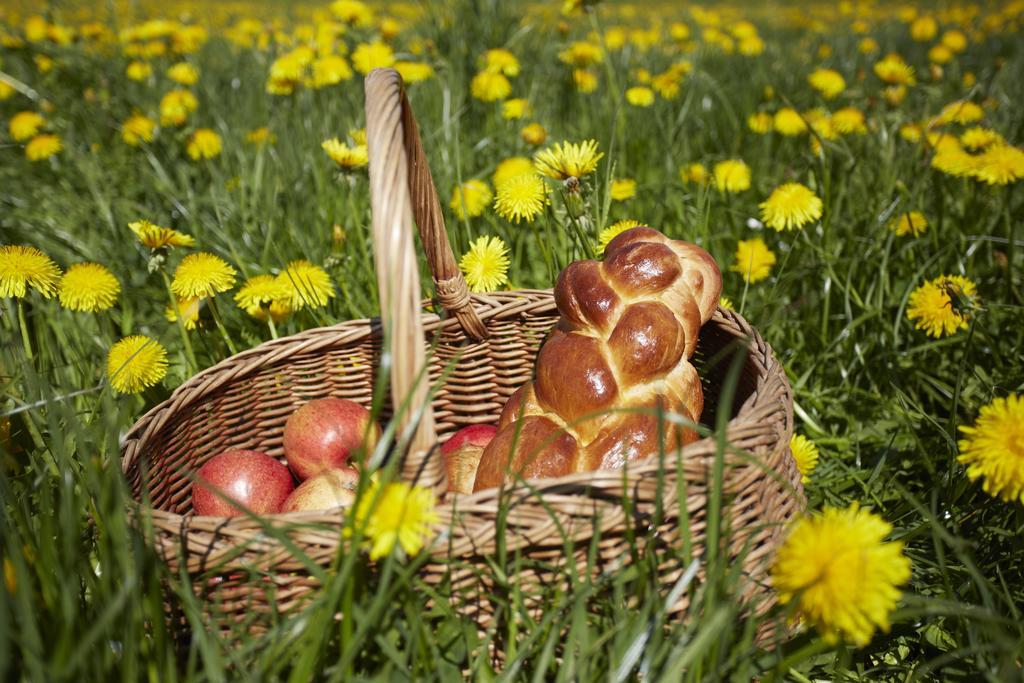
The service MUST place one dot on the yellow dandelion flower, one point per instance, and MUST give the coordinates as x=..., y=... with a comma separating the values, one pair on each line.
x=623, y=189
x=485, y=265
x=346, y=157
x=924, y=29
x=258, y=292
x=189, y=309
x=895, y=94
x=911, y=132
x=760, y=122
x=788, y=122
x=137, y=129
x=330, y=70
x=500, y=60
x=204, y=144
x=202, y=275
x=534, y=134
x=24, y=125
x=732, y=175
x=352, y=12
x=515, y=108
x=667, y=84
x=24, y=267
x=909, y=223
x=940, y=54
x=640, y=96
x=894, y=71
x=42, y=147
x=751, y=46
x=999, y=165
x=806, y=455
x=135, y=363
x=952, y=159
x=993, y=448
x=260, y=136
x=693, y=174
x=954, y=40
x=156, y=237
x=726, y=303
x=175, y=107
x=585, y=80
x=962, y=111
x=490, y=86
x=414, y=72
x=613, y=231
x=358, y=136
x=849, y=121
x=6, y=91
x=868, y=46
x=790, y=206
x=841, y=573
x=510, y=168
x=138, y=71
x=470, y=199
x=44, y=63
x=308, y=285
x=370, y=56
x=828, y=82
x=754, y=260
x=88, y=287
x=568, y=160
x=397, y=514
x=183, y=73
x=288, y=70
x=521, y=197
x=979, y=138
x=942, y=306
x=582, y=54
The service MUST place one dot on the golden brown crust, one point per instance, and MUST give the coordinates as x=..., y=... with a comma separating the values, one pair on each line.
x=573, y=377
x=615, y=359
x=534, y=447
x=647, y=341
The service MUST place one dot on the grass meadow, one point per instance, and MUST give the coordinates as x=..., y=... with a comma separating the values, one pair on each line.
x=888, y=354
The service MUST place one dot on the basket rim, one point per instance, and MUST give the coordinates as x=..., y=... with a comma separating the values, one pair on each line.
x=488, y=306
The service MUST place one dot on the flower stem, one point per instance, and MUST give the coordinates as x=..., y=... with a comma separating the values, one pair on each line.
x=270, y=324
x=220, y=326
x=1011, y=247
x=190, y=356
x=24, y=331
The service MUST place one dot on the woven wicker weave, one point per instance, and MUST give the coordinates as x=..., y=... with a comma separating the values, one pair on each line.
x=244, y=401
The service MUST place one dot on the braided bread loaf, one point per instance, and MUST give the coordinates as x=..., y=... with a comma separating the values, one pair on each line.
x=628, y=326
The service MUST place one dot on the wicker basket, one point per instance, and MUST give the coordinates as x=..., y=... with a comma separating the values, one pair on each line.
x=243, y=402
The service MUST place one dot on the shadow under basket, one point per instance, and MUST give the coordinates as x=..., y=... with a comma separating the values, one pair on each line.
x=247, y=579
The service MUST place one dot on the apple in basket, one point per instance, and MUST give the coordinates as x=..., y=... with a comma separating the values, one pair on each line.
x=251, y=478
x=330, y=489
x=324, y=434
x=461, y=454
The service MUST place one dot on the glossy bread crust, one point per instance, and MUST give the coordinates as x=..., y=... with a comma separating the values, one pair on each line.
x=618, y=358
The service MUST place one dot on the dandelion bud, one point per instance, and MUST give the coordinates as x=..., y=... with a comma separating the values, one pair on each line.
x=156, y=261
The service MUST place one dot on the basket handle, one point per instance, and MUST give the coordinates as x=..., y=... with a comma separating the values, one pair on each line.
x=394, y=138
x=402, y=189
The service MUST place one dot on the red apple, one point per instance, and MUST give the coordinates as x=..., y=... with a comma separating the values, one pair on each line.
x=250, y=478
x=462, y=453
x=324, y=433
x=329, y=489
